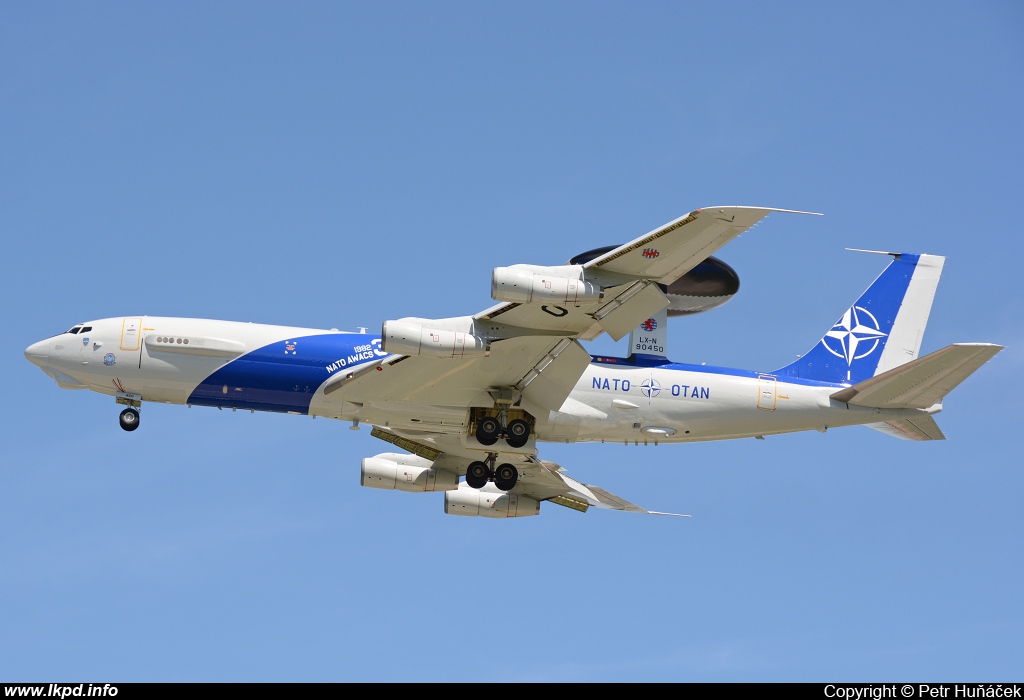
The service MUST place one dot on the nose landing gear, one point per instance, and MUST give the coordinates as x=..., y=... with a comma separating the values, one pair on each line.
x=129, y=419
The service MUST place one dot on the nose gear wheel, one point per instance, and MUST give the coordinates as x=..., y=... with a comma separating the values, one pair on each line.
x=129, y=419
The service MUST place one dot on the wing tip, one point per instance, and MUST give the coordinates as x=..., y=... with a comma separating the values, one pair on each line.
x=766, y=209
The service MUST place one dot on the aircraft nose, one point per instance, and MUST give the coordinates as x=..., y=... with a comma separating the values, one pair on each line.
x=37, y=353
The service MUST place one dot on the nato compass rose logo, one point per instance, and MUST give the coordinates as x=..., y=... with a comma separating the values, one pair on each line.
x=650, y=388
x=651, y=253
x=855, y=336
x=289, y=347
x=649, y=325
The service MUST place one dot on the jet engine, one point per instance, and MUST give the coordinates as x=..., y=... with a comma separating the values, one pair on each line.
x=404, y=472
x=408, y=336
x=708, y=285
x=489, y=502
x=527, y=283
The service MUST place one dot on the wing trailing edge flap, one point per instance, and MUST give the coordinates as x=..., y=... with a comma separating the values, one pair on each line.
x=552, y=379
x=629, y=309
x=920, y=383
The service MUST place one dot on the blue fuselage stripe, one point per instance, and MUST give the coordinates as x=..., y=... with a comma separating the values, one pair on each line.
x=284, y=376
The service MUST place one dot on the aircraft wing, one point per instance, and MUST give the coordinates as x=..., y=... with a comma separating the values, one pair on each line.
x=670, y=251
x=538, y=479
x=536, y=351
x=659, y=257
x=543, y=369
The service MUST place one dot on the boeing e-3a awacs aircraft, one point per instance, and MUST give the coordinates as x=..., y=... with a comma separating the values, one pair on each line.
x=473, y=395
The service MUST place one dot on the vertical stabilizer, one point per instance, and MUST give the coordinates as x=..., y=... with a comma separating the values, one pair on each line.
x=882, y=330
x=904, y=342
x=648, y=341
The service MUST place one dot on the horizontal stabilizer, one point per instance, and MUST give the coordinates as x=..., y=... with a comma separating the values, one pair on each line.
x=920, y=383
x=913, y=428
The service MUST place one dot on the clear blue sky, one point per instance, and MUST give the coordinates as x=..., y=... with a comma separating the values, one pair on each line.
x=336, y=165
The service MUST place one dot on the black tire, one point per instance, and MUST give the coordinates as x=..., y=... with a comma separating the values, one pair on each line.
x=488, y=430
x=518, y=433
x=477, y=475
x=129, y=419
x=505, y=477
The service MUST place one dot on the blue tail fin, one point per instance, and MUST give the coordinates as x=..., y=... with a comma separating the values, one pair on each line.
x=883, y=328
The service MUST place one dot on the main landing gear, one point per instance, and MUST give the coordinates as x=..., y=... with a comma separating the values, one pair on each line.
x=504, y=476
x=489, y=429
x=517, y=433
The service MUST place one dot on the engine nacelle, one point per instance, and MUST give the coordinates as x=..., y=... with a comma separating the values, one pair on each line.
x=560, y=285
x=405, y=473
x=488, y=502
x=408, y=337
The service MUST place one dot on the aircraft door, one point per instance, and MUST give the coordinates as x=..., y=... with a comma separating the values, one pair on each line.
x=766, y=392
x=131, y=331
x=131, y=338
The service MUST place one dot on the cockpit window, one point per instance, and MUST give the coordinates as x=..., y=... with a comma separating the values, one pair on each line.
x=85, y=329
x=75, y=329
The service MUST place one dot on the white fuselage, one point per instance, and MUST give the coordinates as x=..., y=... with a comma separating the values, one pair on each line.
x=682, y=403
x=284, y=369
